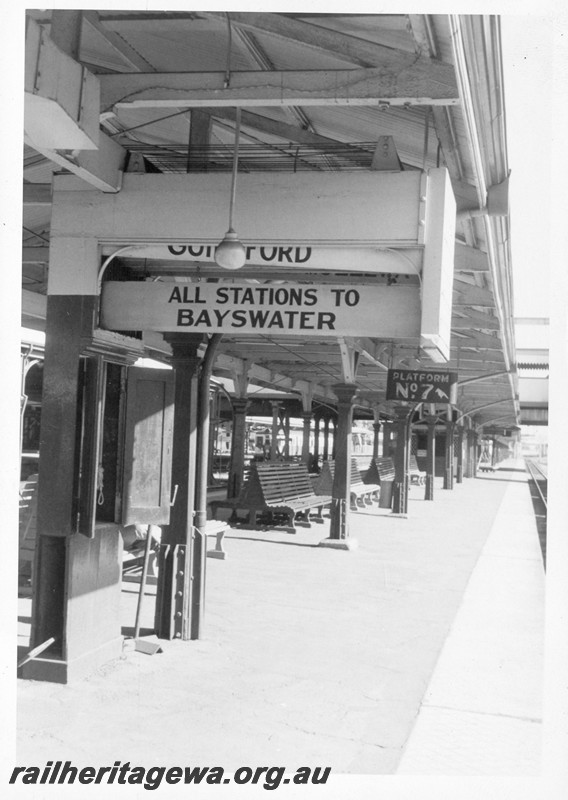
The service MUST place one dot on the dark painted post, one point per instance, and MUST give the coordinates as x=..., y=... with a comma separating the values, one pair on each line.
x=238, y=448
x=468, y=467
x=307, y=419
x=475, y=450
x=275, y=427
x=317, y=420
x=178, y=567
x=339, y=526
x=430, y=458
x=326, y=439
x=459, y=469
x=69, y=318
x=400, y=483
x=387, y=431
x=334, y=423
x=286, y=434
x=376, y=431
x=449, y=456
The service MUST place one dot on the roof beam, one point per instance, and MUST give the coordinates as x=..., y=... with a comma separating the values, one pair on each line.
x=470, y=259
x=329, y=42
x=260, y=57
x=473, y=320
x=486, y=377
x=101, y=168
x=473, y=296
x=413, y=85
x=287, y=132
x=478, y=339
x=118, y=43
x=267, y=377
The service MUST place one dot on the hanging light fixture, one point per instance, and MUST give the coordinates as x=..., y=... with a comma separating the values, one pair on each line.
x=230, y=253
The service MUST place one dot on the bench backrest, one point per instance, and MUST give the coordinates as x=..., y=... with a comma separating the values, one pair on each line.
x=363, y=464
x=381, y=469
x=324, y=483
x=276, y=482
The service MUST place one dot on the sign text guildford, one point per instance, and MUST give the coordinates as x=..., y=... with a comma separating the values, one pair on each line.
x=422, y=386
x=232, y=308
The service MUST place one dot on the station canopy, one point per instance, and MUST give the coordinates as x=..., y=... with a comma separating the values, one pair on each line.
x=324, y=98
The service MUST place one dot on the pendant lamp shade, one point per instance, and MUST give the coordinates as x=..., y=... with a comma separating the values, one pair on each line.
x=230, y=253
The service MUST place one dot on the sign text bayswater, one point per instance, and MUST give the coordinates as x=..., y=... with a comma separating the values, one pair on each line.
x=282, y=307
x=274, y=308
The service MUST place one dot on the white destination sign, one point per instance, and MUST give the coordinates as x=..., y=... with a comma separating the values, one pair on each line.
x=391, y=312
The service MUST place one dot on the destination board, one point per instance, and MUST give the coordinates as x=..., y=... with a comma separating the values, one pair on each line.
x=422, y=386
x=391, y=312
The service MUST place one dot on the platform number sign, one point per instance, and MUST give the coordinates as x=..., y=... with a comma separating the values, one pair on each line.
x=422, y=386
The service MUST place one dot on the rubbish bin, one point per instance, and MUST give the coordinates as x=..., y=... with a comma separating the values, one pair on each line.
x=385, y=498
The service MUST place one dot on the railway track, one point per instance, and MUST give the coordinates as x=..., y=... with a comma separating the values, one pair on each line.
x=540, y=479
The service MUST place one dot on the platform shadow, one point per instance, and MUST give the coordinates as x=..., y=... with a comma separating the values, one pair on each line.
x=270, y=541
x=501, y=480
x=128, y=632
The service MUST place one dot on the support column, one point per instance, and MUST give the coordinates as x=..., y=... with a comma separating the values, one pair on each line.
x=494, y=452
x=475, y=449
x=459, y=468
x=76, y=591
x=317, y=421
x=430, y=458
x=376, y=431
x=326, y=439
x=307, y=420
x=387, y=435
x=286, y=434
x=449, y=456
x=339, y=527
x=468, y=471
x=334, y=434
x=401, y=455
x=275, y=428
x=238, y=448
x=179, y=561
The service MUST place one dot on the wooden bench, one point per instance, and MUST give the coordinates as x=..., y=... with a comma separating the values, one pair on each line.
x=27, y=526
x=417, y=477
x=133, y=557
x=361, y=494
x=275, y=494
x=381, y=471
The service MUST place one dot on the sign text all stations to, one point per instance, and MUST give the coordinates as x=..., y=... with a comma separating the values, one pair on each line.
x=323, y=310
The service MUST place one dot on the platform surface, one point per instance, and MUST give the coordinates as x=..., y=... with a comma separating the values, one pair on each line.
x=420, y=651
